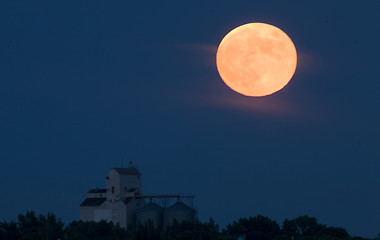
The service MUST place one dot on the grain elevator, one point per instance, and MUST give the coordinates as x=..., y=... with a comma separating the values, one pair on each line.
x=123, y=203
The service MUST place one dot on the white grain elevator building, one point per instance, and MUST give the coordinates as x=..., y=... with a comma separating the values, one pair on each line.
x=116, y=203
x=122, y=202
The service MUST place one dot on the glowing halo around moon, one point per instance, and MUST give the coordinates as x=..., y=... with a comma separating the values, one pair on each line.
x=256, y=59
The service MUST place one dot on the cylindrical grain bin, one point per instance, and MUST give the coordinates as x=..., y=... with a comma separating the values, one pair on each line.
x=152, y=212
x=180, y=212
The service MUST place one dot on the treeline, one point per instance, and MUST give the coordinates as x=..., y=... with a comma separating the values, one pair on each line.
x=33, y=227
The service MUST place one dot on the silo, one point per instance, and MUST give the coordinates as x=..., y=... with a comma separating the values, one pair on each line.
x=150, y=211
x=180, y=212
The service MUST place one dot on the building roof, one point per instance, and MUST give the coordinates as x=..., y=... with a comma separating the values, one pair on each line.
x=97, y=190
x=92, y=202
x=179, y=206
x=127, y=171
x=151, y=207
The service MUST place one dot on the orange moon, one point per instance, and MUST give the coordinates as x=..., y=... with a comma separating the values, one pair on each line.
x=256, y=59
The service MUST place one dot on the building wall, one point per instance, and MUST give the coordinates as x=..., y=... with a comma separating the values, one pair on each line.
x=120, y=215
x=113, y=184
x=93, y=213
x=86, y=213
x=114, y=208
x=103, y=214
x=128, y=182
x=118, y=185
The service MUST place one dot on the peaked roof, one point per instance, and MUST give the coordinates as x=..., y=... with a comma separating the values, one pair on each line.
x=127, y=171
x=92, y=202
x=179, y=206
x=128, y=200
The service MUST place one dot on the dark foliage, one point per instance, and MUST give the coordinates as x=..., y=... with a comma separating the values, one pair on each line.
x=254, y=228
x=79, y=230
x=194, y=230
x=9, y=231
x=302, y=227
x=305, y=228
x=148, y=231
x=32, y=227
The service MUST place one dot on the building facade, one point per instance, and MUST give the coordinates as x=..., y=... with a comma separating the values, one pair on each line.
x=118, y=202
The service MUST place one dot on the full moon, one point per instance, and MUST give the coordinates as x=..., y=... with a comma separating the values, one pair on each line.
x=256, y=59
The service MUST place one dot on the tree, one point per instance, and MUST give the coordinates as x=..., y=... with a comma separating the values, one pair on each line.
x=9, y=231
x=254, y=228
x=336, y=233
x=302, y=227
x=79, y=230
x=192, y=230
x=50, y=227
x=32, y=227
x=148, y=231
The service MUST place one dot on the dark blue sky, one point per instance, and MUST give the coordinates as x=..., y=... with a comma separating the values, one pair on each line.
x=88, y=85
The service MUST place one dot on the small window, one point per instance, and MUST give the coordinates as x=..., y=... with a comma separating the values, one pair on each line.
x=113, y=189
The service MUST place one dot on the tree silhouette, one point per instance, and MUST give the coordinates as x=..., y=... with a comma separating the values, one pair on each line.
x=79, y=230
x=33, y=227
x=192, y=230
x=254, y=228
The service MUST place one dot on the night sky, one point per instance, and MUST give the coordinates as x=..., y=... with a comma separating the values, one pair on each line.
x=90, y=85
